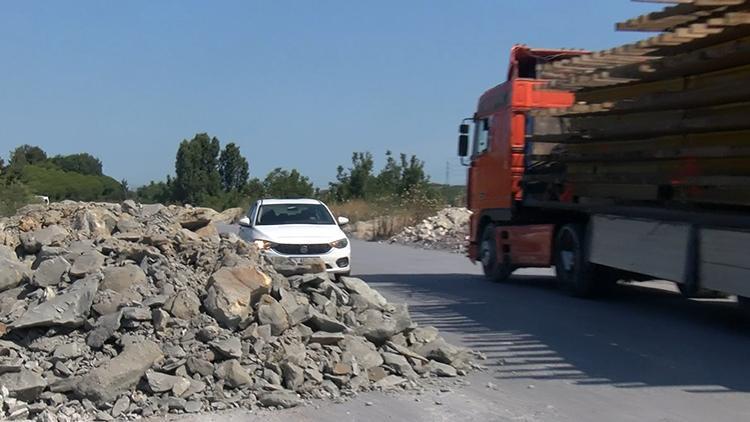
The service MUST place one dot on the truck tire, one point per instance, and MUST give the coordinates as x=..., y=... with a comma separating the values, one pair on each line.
x=493, y=270
x=574, y=273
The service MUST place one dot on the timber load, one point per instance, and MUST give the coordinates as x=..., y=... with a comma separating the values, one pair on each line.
x=665, y=120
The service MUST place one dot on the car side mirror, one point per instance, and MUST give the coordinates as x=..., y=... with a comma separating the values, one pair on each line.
x=343, y=221
x=463, y=145
x=245, y=222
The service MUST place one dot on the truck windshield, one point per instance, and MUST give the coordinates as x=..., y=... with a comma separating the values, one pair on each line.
x=279, y=214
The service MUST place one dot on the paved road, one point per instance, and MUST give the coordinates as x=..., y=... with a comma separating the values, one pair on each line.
x=641, y=355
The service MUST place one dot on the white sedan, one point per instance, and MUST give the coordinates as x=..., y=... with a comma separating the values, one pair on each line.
x=298, y=228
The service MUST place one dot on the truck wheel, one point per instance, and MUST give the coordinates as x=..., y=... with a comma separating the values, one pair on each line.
x=574, y=272
x=493, y=270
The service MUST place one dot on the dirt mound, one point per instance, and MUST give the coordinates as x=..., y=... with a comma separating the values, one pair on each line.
x=447, y=230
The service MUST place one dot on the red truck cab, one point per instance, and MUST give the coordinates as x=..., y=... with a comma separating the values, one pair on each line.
x=496, y=165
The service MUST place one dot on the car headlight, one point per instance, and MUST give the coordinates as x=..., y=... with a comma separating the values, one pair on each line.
x=340, y=244
x=264, y=244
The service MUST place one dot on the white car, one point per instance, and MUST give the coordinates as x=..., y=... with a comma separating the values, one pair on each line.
x=298, y=228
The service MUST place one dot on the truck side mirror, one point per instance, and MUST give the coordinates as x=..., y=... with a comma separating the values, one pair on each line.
x=463, y=145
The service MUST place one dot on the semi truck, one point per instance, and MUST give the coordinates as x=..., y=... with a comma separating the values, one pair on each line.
x=631, y=163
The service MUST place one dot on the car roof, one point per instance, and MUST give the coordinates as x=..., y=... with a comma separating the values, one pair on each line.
x=289, y=201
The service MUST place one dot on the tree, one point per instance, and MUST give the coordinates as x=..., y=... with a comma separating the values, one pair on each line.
x=197, y=170
x=287, y=184
x=357, y=182
x=233, y=168
x=412, y=174
x=80, y=163
x=154, y=192
x=13, y=196
x=389, y=178
x=27, y=154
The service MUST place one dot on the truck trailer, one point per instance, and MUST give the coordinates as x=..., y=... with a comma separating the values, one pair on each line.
x=631, y=163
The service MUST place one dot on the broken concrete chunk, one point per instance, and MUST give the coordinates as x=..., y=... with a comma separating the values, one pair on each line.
x=69, y=309
x=25, y=385
x=270, y=312
x=104, y=383
x=233, y=374
x=52, y=235
x=50, y=272
x=370, y=296
x=12, y=273
x=281, y=398
x=184, y=305
x=86, y=263
x=232, y=292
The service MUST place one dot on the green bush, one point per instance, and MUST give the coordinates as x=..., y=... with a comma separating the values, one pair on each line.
x=12, y=197
x=58, y=185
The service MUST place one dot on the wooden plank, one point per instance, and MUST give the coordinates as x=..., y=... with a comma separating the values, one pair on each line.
x=649, y=247
x=655, y=123
x=724, y=264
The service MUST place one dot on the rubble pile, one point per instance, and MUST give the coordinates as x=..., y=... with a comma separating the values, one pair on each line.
x=121, y=311
x=447, y=230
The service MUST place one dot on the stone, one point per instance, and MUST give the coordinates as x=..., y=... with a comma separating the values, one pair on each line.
x=232, y=292
x=390, y=382
x=160, y=319
x=270, y=312
x=199, y=366
x=69, y=309
x=184, y=304
x=399, y=365
x=363, y=351
x=86, y=263
x=441, y=369
x=376, y=373
x=50, y=272
x=195, y=218
x=121, y=406
x=121, y=373
x=136, y=313
x=67, y=351
x=326, y=338
x=293, y=375
x=233, y=374
x=95, y=223
x=193, y=406
x=10, y=364
x=370, y=296
x=424, y=334
x=378, y=328
x=287, y=267
x=160, y=383
x=8, y=253
x=105, y=328
x=282, y=398
x=25, y=385
x=439, y=350
x=209, y=232
x=13, y=273
x=322, y=322
x=230, y=348
x=123, y=279
x=52, y=235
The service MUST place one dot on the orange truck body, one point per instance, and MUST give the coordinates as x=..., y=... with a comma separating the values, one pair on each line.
x=494, y=179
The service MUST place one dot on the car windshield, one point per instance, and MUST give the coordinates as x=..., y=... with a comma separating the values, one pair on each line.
x=277, y=214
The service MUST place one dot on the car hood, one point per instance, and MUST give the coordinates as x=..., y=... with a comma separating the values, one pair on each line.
x=300, y=233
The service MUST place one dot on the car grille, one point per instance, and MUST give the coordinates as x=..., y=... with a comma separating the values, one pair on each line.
x=307, y=249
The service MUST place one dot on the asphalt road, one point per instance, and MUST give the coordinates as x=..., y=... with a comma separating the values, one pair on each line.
x=640, y=355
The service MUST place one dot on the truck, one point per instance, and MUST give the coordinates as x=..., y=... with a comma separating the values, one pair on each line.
x=631, y=163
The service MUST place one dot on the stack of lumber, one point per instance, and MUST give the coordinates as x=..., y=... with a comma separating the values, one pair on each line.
x=665, y=119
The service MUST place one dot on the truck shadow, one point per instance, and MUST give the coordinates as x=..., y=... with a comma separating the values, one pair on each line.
x=634, y=337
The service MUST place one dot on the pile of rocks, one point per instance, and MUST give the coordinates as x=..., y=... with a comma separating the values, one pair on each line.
x=447, y=230
x=120, y=311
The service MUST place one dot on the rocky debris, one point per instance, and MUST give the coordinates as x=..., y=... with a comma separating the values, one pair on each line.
x=13, y=273
x=114, y=312
x=447, y=231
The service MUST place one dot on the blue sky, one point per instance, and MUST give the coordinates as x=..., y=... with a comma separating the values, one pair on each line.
x=295, y=83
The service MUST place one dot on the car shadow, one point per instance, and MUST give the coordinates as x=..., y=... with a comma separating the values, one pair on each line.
x=632, y=338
